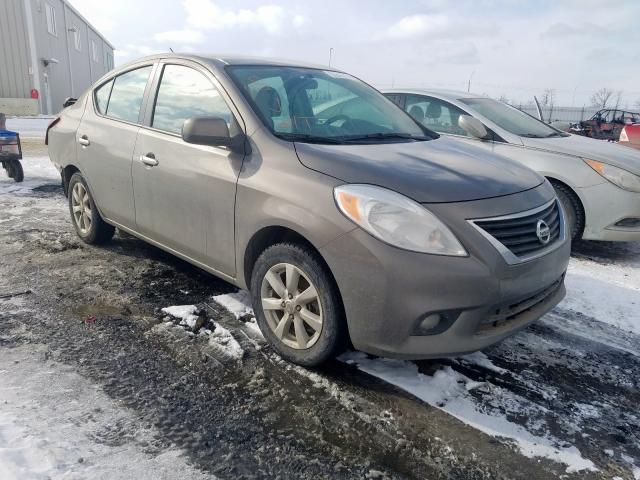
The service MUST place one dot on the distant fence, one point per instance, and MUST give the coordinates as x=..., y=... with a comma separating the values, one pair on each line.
x=563, y=114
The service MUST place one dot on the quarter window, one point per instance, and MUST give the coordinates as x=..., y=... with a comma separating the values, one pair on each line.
x=50, y=13
x=102, y=97
x=435, y=114
x=127, y=93
x=185, y=93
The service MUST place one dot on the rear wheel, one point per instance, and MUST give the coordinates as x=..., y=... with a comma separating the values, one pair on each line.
x=574, y=213
x=89, y=225
x=297, y=305
x=17, y=173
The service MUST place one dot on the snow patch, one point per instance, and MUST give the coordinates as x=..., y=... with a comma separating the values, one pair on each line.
x=608, y=293
x=186, y=313
x=38, y=171
x=222, y=338
x=238, y=303
x=449, y=390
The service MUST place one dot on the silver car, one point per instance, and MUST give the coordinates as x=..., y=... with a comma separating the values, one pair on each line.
x=598, y=182
x=345, y=219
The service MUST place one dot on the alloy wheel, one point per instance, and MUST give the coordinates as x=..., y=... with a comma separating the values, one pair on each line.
x=291, y=306
x=81, y=207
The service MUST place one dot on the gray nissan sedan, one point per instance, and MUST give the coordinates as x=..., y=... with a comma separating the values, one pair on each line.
x=346, y=219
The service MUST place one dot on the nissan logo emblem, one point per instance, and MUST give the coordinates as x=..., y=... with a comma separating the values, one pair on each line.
x=543, y=232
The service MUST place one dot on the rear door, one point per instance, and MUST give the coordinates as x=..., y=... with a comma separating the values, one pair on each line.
x=185, y=193
x=107, y=137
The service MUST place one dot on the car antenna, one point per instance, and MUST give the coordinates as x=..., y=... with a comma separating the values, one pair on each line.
x=171, y=49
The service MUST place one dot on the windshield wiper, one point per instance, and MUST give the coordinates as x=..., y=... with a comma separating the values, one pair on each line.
x=385, y=136
x=553, y=134
x=303, y=137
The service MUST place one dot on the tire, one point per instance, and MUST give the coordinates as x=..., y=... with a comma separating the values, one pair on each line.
x=292, y=329
x=86, y=219
x=574, y=213
x=17, y=171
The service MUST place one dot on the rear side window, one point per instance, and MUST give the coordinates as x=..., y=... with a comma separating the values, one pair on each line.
x=185, y=93
x=127, y=93
x=102, y=97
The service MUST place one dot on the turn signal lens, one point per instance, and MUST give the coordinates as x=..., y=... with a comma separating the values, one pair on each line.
x=618, y=176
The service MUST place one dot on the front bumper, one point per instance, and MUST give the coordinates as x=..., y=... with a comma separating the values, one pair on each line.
x=605, y=205
x=387, y=292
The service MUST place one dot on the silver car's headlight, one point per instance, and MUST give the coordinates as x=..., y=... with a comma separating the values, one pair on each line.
x=617, y=176
x=396, y=220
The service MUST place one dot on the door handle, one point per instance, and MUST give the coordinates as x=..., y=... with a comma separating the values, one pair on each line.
x=149, y=159
x=84, y=141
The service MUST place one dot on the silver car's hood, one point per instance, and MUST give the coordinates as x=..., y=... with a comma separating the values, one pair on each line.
x=442, y=170
x=600, y=150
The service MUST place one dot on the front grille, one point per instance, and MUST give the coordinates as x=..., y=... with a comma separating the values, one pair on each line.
x=518, y=233
x=512, y=312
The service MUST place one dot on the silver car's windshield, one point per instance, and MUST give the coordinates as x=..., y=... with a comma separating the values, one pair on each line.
x=323, y=106
x=511, y=119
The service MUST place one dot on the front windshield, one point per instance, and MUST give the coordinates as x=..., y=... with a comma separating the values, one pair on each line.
x=322, y=106
x=511, y=119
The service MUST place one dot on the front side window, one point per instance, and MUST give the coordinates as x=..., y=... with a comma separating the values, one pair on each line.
x=127, y=94
x=50, y=13
x=435, y=114
x=185, y=93
x=511, y=119
x=323, y=106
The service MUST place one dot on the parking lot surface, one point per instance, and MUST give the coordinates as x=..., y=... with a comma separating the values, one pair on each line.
x=158, y=370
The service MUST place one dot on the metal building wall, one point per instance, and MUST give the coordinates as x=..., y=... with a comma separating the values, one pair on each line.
x=15, y=81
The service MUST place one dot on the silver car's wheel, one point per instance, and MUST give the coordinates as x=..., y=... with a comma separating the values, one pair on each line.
x=291, y=306
x=85, y=216
x=81, y=208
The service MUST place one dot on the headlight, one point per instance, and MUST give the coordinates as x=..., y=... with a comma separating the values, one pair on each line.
x=617, y=176
x=397, y=220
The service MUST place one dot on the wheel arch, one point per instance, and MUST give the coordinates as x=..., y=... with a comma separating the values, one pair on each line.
x=554, y=181
x=66, y=174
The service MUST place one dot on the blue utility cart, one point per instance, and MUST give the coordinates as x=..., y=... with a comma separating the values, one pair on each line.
x=11, y=154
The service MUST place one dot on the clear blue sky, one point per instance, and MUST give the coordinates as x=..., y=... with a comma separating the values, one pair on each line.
x=515, y=48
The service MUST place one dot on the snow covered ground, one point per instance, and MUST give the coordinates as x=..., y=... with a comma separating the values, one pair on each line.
x=29, y=126
x=39, y=438
x=55, y=424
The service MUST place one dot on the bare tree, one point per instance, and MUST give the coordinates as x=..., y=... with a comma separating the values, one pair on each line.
x=637, y=104
x=602, y=97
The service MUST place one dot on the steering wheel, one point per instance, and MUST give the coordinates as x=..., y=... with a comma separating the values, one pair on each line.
x=336, y=118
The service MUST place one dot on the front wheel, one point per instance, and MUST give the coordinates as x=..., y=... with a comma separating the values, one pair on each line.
x=89, y=225
x=574, y=213
x=297, y=305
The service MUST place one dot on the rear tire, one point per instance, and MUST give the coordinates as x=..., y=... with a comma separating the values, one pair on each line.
x=17, y=173
x=305, y=328
x=574, y=213
x=86, y=219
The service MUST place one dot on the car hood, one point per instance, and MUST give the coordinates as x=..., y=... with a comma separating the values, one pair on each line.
x=600, y=150
x=441, y=170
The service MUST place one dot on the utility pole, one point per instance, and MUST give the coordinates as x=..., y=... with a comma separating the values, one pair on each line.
x=469, y=82
x=330, y=55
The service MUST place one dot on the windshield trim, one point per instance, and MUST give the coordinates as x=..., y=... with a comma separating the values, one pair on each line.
x=429, y=134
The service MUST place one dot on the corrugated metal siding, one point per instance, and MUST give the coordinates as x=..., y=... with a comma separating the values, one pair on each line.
x=15, y=81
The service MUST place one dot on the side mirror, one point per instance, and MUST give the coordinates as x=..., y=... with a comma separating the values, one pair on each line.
x=69, y=101
x=212, y=131
x=473, y=127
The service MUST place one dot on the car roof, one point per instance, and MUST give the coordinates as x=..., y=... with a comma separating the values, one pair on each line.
x=220, y=61
x=440, y=92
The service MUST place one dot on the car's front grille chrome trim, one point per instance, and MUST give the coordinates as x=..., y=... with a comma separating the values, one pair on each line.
x=515, y=235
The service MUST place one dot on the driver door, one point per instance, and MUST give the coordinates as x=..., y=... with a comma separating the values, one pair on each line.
x=184, y=193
